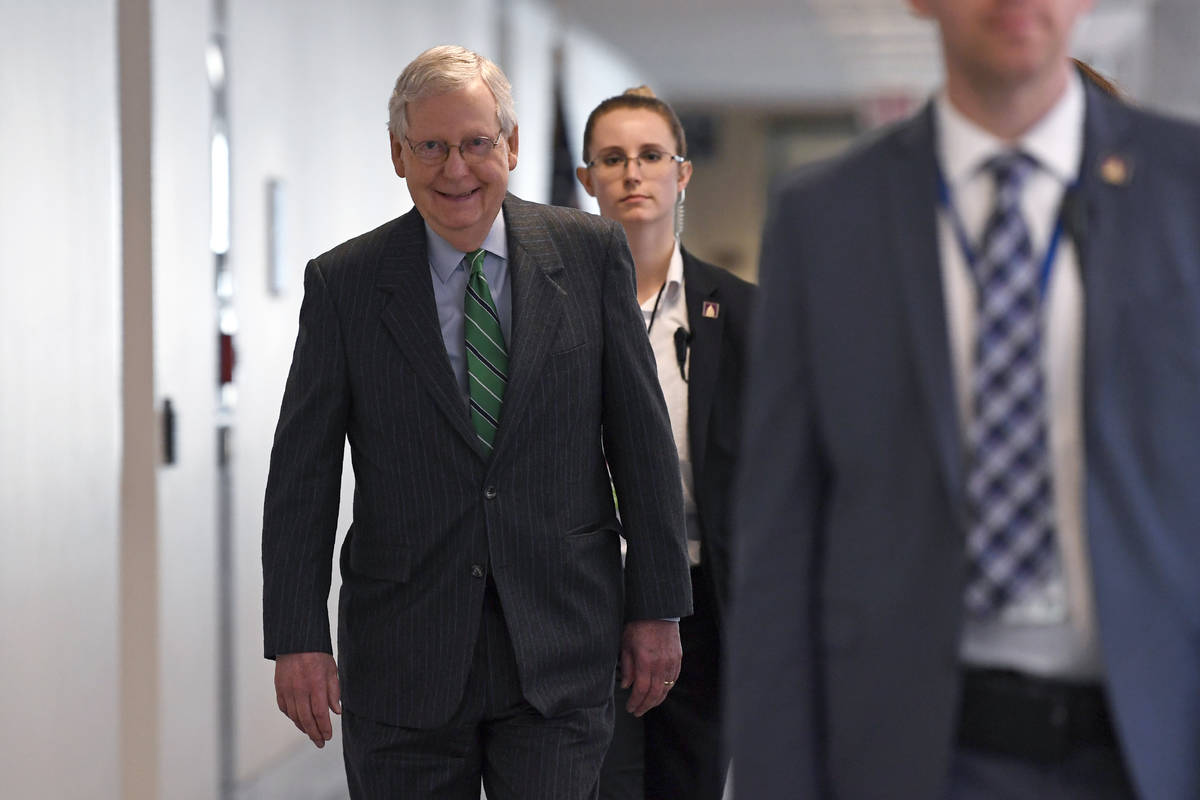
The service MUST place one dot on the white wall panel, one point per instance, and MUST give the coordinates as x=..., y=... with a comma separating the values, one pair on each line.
x=59, y=399
x=533, y=32
x=185, y=371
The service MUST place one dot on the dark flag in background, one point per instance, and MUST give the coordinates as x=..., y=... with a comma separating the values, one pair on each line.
x=562, y=169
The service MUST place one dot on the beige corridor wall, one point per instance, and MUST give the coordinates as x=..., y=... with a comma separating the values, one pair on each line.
x=59, y=399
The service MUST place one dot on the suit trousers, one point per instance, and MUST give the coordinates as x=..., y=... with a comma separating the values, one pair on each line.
x=675, y=751
x=495, y=737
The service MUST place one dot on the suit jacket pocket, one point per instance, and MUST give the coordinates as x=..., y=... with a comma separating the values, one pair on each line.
x=571, y=335
x=381, y=562
x=593, y=528
x=567, y=349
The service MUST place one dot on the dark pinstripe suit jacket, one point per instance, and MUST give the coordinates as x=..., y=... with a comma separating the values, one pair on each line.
x=432, y=515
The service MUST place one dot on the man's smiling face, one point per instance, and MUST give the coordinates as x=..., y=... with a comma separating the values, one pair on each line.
x=459, y=199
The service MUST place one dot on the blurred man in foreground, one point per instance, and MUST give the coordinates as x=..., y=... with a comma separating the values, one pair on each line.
x=968, y=530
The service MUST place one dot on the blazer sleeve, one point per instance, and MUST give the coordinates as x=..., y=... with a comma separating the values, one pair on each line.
x=641, y=451
x=773, y=680
x=304, y=483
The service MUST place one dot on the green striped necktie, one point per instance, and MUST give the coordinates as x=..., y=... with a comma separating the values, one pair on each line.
x=487, y=357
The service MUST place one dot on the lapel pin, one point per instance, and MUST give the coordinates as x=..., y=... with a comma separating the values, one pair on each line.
x=1115, y=170
x=711, y=310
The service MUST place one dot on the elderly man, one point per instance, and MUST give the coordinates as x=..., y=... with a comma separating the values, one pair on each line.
x=968, y=518
x=486, y=360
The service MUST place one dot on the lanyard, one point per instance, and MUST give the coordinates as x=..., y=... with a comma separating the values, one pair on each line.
x=968, y=251
x=657, y=300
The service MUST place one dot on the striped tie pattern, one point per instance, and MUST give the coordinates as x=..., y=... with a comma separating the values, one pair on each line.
x=487, y=357
x=1011, y=542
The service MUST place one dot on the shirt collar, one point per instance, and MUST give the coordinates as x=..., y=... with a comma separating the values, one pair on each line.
x=445, y=258
x=674, y=284
x=1055, y=141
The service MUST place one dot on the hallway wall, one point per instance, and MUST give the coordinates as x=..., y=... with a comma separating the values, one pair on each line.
x=184, y=324
x=1170, y=47
x=60, y=394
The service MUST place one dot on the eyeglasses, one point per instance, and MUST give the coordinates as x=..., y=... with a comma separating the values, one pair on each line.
x=651, y=162
x=435, y=151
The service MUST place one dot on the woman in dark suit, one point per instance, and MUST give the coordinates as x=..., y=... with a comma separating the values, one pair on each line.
x=697, y=319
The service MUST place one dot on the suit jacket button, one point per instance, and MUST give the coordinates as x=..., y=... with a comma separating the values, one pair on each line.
x=476, y=571
x=490, y=493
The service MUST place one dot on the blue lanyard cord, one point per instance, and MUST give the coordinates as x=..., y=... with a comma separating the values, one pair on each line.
x=968, y=251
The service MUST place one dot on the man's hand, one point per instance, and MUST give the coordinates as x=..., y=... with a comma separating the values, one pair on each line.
x=650, y=658
x=306, y=688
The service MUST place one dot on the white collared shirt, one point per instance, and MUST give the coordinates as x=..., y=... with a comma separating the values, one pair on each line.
x=671, y=315
x=1052, y=630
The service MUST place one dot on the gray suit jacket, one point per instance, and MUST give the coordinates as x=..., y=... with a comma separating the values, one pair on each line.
x=850, y=563
x=433, y=516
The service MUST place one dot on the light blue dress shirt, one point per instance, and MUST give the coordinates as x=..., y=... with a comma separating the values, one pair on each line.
x=449, y=275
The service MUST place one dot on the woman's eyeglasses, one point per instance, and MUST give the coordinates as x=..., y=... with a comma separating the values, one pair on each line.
x=651, y=162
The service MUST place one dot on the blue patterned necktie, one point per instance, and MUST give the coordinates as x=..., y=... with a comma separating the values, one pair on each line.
x=1011, y=541
x=487, y=356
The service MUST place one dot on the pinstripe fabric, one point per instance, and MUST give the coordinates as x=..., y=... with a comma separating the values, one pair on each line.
x=494, y=734
x=432, y=518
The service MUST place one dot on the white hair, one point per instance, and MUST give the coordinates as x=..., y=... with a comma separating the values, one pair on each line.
x=443, y=69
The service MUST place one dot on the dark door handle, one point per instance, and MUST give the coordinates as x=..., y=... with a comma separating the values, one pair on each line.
x=168, y=431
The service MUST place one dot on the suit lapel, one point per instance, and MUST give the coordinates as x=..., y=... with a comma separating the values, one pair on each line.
x=704, y=356
x=1105, y=244
x=1108, y=248
x=534, y=267
x=911, y=196
x=410, y=315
